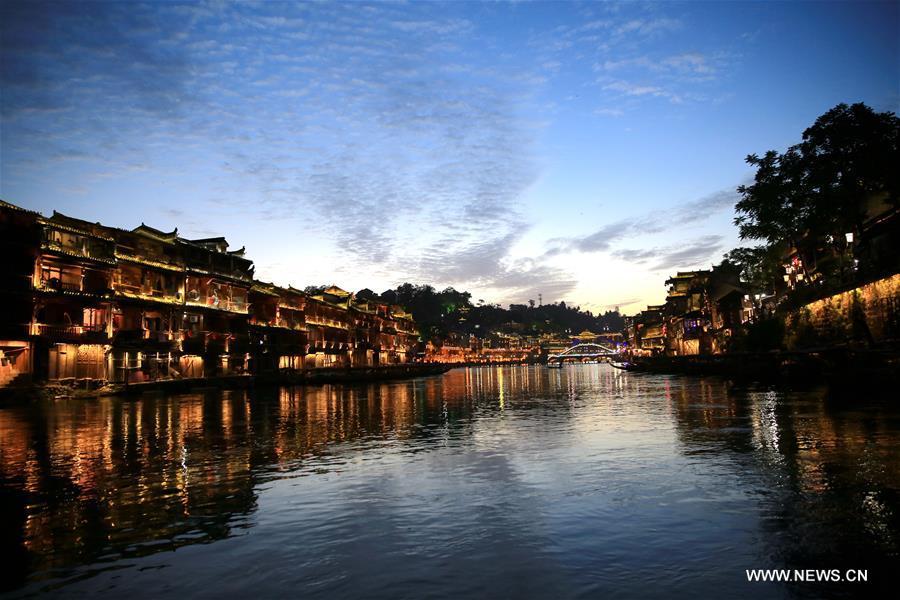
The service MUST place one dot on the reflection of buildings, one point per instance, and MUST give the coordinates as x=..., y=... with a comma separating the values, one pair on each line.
x=828, y=478
x=88, y=302
x=94, y=482
x=108, y=478
x=125, y=478
x=89, y=482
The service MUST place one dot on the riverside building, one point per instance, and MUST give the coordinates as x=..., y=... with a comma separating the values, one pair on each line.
x=84, y=302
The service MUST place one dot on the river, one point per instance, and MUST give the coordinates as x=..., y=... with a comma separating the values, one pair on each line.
x=520, y=482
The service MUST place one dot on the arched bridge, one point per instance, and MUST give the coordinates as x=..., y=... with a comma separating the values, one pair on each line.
x=583, y=351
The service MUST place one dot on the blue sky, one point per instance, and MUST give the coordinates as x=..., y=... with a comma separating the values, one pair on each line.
x=582, y=151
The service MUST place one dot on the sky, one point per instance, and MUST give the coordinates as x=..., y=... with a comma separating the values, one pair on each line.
x=564, y=151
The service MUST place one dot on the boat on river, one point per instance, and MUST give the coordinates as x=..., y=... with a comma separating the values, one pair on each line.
x=624, y=365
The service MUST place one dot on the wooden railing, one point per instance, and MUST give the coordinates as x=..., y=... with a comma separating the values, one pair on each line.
x=59, y=286
x=85, y=332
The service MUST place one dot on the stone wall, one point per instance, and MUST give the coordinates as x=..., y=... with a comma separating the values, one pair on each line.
x=866, y=315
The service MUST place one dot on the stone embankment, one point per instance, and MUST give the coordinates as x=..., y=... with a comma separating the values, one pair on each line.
x=835, y=366
x=303, y=377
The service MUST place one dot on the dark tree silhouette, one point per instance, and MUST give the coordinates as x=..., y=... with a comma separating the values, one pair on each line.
x=817, y=192
x=758, y=266
x=819, y=186
x=450, y=311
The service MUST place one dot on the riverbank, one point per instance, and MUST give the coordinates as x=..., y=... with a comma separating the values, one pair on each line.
x=475, y=363
x=834, y=366
x=317, y=376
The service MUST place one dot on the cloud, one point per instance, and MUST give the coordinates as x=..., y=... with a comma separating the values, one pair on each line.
x=633, y=66
x=631, y=89
x=691, y=61
x=351, y=121
x=705, y=207
x=605, y=237
x=612, y=305
x=379, y=130
x=440, y=28
x=699, y=251
x=636, y=256
x=62, y=54
x=487, y=265
x=695, y=254
x=674, y=66
x=648, y=26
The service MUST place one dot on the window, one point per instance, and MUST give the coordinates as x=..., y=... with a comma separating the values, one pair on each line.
x=50, y=275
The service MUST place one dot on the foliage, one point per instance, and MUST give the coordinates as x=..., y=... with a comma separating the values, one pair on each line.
x=817, y=191
x=800, y=332
x=760, y=336
x=758, y=266
x=769, y=208
x=441, y=313
x=818, y=186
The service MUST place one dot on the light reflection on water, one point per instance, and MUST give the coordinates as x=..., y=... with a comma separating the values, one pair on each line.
x=512, y=481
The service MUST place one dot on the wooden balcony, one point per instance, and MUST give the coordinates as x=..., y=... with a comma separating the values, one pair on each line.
x=55, y=285
x=146, y=292
x=234, y=306
x=142, y=338
x=66, y=286
x=71, y=333
x=96, y=252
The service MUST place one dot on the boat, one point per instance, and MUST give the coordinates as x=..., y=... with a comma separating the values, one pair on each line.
x=625, y=364
x=554, y=364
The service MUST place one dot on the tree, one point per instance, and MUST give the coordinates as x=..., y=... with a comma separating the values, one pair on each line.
x=849, y=154
x=816, y=192
x=758, y=266
x=819, y=186
x=769, y=208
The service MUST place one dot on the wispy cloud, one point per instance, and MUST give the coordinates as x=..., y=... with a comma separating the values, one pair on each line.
x=604, y=238
x=402, y=137
x=369, y=121
x=698, y=253
x=633, y=89
x=648, y=26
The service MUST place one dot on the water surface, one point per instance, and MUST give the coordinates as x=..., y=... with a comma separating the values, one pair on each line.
x=522, y=482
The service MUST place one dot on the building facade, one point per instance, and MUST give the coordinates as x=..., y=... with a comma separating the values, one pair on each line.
x=702, y=311
x=84, y=302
